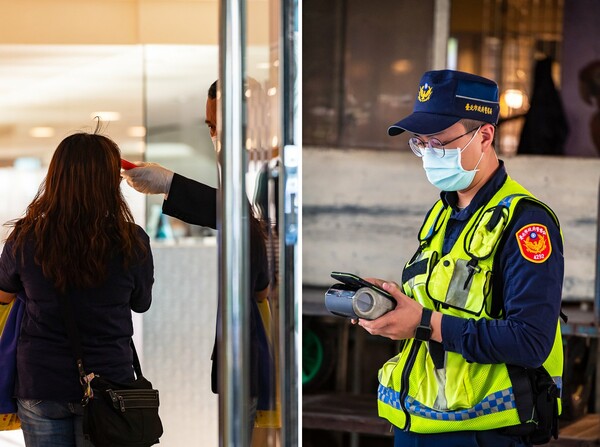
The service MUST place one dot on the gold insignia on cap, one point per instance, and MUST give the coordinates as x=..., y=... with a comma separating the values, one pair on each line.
x=480, y=109
x=424, y=92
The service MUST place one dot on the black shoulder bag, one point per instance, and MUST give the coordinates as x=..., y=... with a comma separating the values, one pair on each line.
x=115, y=414
x=536, y=398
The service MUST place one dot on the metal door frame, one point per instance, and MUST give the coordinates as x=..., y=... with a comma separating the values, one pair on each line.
x=233, y=224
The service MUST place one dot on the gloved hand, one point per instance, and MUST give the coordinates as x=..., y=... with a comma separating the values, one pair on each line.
x=149, y=178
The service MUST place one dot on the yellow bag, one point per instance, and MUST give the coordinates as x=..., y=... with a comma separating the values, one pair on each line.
x=9, y=422
x=269, y=418
x=4, y=313
x=10, y=325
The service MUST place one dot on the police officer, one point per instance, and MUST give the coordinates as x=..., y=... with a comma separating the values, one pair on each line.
x=479, y=302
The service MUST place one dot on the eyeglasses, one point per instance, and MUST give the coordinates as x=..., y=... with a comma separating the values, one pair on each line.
x=418, y=146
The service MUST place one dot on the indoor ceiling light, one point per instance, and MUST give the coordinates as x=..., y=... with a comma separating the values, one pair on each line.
x=136, y=131
x=41, y=132
x=514, y=98
x=106, y=116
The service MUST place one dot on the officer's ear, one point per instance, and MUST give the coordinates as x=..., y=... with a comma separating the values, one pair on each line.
x=487, y=132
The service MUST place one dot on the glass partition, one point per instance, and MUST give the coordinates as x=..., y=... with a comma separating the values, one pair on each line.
x=253, y=88
x=177, y=78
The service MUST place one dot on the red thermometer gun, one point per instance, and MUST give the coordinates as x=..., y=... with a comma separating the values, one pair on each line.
x=127, y=164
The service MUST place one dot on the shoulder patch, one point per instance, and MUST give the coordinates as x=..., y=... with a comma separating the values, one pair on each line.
x=534, y=242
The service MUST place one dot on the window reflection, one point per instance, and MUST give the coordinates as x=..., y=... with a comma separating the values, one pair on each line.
x=177, y=81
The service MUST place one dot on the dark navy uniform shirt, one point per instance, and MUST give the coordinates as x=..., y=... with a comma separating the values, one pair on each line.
x=531, y=291
x=45, y=364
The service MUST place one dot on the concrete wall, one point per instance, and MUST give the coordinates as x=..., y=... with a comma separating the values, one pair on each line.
x=362, y=210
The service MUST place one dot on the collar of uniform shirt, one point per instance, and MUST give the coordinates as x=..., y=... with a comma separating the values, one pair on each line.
x=450, y=198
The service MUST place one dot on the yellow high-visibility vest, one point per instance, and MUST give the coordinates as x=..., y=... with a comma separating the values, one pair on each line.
x=413, y=394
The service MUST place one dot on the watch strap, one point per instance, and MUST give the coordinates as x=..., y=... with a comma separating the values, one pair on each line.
x=423, y=331
x=426, y=317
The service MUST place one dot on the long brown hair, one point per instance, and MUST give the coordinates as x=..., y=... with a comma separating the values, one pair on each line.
x=79, y=219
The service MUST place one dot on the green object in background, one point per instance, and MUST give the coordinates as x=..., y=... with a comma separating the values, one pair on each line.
x=312, y=355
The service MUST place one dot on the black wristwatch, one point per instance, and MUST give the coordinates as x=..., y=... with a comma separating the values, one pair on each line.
x=423, y=331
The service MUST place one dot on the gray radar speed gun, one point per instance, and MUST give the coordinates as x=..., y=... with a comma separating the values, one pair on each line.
x=355, y=297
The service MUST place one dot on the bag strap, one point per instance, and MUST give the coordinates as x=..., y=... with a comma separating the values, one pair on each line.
x=75, y=341
x=137, y=367
x=522, y=392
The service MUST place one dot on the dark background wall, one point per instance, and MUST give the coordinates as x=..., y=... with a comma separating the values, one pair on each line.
x=361, y=63
x=581, y=46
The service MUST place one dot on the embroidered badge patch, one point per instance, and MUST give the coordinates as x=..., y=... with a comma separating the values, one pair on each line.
x=534, y=242
x=425, y=92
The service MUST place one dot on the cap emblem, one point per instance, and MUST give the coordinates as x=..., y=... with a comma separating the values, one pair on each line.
x=425, y=92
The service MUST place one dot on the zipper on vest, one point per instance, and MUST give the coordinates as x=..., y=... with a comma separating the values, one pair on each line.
x=404, y=381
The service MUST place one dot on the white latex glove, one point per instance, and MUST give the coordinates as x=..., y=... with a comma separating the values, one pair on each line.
x=149, y=178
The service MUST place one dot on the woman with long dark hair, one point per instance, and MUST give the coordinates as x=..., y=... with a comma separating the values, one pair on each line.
x=77, y=239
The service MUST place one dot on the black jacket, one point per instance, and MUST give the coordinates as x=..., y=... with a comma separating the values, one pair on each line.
x=196, y=203
x=192, y=201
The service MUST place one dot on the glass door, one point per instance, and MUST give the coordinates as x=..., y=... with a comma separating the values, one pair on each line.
x=259, y=162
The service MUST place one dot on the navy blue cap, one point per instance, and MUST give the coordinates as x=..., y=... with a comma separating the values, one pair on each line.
x=447, y=96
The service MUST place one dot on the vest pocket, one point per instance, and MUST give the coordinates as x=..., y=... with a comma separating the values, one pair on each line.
x=460, y=284
x=436, y=391
x=386, y=371
x=415, y=273
x=386, y=374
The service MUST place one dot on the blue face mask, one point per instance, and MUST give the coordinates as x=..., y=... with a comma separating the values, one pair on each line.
x=444, y=170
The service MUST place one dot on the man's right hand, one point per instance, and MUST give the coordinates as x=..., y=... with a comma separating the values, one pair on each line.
x=149, y=178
